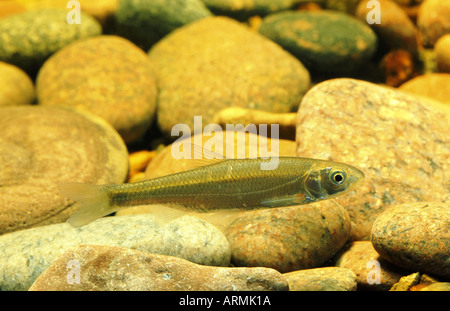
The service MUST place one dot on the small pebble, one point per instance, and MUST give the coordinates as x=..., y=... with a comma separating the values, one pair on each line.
x=396, y=30
x=16, y=87
x=27, y=253
x=433, y=21
x=442, y=50
x=433, y=85
x=415, y=236
x=406, y=282
x=109, y=268
x=29, y=38
x=372, y=272
x=146, y=22
x=321, y=279
x=324, y=41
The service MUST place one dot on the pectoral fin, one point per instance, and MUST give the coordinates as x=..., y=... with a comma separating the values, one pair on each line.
x=296, y=199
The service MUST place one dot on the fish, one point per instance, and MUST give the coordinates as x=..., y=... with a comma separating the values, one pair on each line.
x=228, y=184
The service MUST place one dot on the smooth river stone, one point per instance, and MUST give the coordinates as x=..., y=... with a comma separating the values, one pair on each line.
x=442, y=48
x=41, y=147
x=106, y=75
x=321, y=279
x=396, y=30
x=324, y=41
x=28, y=39
x=289, y=238
x=16, y=87
x=415, y=236
x=215, y=63
x=241, y=10
x=146, y=22
x=432, y=85
x=27, y=253
x=399, y=141
x=107, y=268
x=372, y=272
x=433, y=21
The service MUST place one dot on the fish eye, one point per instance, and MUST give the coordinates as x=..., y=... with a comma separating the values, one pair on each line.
x=338, y=177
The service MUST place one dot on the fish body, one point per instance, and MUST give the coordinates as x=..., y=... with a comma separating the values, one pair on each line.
x=228, y=184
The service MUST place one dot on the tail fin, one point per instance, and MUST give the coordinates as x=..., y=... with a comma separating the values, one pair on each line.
x=93, y=199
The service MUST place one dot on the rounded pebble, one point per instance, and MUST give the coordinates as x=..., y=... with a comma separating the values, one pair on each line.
x=432, y=85
x=29, y=38
x=289, y=238
x=16, y=87
x=442, y=48
x=41, y=147
x=145, y=22
x=324, y=41
x=415, y=236
x=27, y=253
x=372, y=272
x=350, y=121
x=222, y=63
x=433, y=21
x=106, y=75
x=322, y=279
x=396, y=31
x=108, y=268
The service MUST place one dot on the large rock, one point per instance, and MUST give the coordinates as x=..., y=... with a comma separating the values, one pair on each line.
x=41, y=147
x=16, y=87
x=289, y=238
x=399, y=141
x=106, y=268
x=27, y=253
x=29, y=38
x=145, y=22
x=215, y=63
x=415, y=236
x=325, y=41
x=106, y=75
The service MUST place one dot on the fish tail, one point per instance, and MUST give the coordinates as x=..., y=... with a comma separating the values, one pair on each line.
x=93, y=199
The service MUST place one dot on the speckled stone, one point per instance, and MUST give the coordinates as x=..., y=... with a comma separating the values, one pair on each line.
x=222, y=63
x=438, y=286
x=406, y=282
x=360, y=257
x=321, y=279
x=106, y=75
x=442, y=48
x=145, y=22
x=41, y=147
x=324, y=41
x=16, y=87
x=288, y=238
x=433, y=21
x=432, y=85
x=27, y=253
x=28, y=39
x=244, y=9
x=107, y=268
x=165, y=164
x=396, y=30
x=385, y=133
x=415, y=236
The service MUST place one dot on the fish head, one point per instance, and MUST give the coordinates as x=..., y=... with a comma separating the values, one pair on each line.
x=330, y=179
